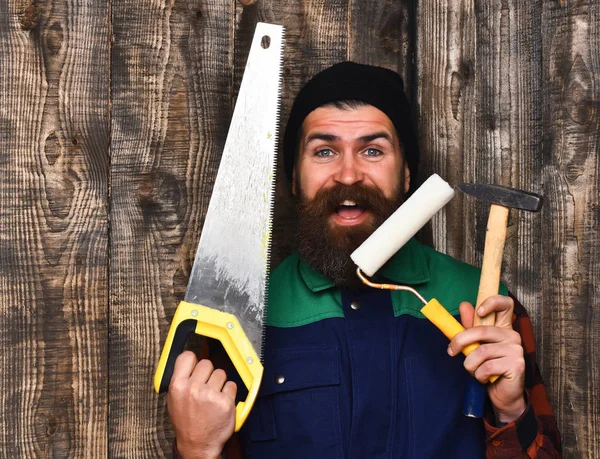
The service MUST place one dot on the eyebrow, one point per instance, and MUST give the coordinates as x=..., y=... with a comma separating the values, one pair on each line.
x=375, y=136
x=334, y=138
x=321, y=136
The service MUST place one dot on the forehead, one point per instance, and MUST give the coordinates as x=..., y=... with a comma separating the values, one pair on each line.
x=352, y=121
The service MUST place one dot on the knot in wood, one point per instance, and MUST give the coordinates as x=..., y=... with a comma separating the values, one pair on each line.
x=145, y=189
x=30, y=17
x=52, y=426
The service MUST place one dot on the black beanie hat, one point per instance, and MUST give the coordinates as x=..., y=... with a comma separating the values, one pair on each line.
x=377, y=86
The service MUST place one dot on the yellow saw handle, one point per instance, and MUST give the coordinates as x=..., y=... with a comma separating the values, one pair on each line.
x=221, y=326
x=447, y=324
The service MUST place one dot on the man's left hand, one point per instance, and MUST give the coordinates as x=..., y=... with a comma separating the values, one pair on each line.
x=500, y=353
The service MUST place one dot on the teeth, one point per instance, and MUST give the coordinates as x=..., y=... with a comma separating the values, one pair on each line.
x=347, y=202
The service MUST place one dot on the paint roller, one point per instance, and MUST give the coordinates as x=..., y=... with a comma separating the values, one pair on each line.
x=402, y=225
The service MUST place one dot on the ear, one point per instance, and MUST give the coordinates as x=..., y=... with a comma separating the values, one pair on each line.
x=294, y=183
x=406, y=178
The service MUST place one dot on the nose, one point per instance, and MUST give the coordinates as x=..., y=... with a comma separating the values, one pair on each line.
x=349, y=171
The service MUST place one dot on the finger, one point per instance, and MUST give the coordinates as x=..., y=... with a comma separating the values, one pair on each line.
x=485, y=352
x=203, y=371
x=502, y=305
x=184, y=365
x=506, y=367
x=217, y=379
x=485, y=371
x=482, y=334
x=467, y=312
x=230, y=389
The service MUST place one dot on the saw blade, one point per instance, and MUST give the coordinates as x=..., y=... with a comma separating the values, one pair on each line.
x=232, y=260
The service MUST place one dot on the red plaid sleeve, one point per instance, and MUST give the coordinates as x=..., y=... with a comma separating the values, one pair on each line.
x=534, y=434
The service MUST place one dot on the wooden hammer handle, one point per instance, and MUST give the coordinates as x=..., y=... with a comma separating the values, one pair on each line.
x=489, y=282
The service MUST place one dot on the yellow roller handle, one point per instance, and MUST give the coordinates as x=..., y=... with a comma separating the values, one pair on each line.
x=221, y=326
x=448, y=325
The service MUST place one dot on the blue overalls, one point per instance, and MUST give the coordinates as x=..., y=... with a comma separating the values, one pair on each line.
x=363, y=375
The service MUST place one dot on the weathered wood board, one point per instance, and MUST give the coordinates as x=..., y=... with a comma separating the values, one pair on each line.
x=113, y=116
x=171, y=104
x=54, y=137
x=571, y=226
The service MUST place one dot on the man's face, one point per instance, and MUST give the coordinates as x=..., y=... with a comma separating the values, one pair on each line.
x=347, y=147
x=350, y=176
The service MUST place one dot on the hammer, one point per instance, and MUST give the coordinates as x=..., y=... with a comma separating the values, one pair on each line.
x=501, y=199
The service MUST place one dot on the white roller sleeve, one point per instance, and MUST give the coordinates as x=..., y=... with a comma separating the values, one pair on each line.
x=403, y=224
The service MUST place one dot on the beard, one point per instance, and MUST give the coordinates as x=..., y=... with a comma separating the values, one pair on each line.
x=325, y=246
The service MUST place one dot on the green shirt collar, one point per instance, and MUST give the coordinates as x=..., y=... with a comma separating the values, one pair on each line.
x=407, y=266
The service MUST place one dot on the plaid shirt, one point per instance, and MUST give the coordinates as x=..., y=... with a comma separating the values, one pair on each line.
x=533, y=435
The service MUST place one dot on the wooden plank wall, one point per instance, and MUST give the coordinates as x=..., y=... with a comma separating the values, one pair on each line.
x=112, y=118
x=54, y=150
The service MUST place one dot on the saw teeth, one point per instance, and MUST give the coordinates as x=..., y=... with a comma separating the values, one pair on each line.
x=347, y=202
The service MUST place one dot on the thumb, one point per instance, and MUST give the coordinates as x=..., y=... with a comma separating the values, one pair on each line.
x=467, y=312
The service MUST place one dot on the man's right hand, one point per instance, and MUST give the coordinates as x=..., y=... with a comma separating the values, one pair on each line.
x=201, y=405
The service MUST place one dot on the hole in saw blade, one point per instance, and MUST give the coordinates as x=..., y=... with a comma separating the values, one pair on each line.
x=265, y=42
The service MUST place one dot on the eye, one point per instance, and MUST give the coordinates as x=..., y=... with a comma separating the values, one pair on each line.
x=324, y=153
x=372, y=152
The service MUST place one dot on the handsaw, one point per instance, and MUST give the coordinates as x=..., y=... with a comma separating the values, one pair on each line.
x=226, y=294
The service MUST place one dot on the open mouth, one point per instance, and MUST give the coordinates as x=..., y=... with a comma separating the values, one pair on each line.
x=349, y=213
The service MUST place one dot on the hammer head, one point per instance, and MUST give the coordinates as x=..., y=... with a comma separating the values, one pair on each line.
x=503, y=196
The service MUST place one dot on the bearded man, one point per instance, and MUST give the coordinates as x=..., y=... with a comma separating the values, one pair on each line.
x=352, y=372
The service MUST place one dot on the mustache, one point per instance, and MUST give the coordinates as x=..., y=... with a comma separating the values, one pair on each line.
x=327, y=200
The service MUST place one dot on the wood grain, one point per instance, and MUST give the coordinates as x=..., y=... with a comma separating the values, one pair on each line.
x=171, y=105
x=53, y=256
x=571, y=225
x=445, y=53
x=382, y=34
